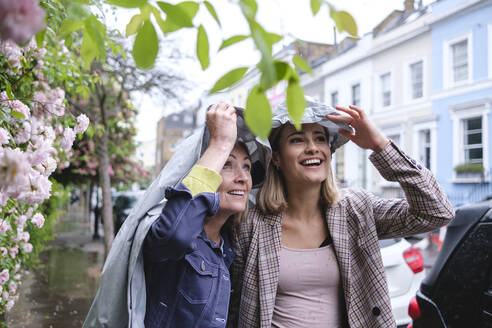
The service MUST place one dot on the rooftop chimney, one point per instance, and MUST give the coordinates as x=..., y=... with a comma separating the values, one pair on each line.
x=409, y=5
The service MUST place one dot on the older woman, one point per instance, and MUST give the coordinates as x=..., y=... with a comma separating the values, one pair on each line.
x=308, y=255
x=169, y=264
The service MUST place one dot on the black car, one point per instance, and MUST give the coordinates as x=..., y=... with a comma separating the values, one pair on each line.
x=457, y=292
x=122, y=206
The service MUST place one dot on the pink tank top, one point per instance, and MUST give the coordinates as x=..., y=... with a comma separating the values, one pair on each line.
x=309, y=292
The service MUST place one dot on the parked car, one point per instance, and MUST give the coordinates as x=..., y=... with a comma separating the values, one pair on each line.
x=404, y=269
x=457, y=291
x=122, y=206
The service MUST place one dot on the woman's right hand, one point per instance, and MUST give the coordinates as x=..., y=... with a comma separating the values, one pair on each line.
x=221, y=122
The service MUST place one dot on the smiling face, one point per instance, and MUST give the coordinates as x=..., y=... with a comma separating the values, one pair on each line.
x=236, y=182
x=304, y=156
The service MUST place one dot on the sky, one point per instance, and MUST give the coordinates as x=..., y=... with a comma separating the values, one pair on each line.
x=292, y=18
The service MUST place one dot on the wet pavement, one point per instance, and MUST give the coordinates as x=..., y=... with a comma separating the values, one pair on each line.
x=59, y=292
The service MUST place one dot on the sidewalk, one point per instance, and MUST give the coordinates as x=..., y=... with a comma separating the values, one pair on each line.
x=59, y=292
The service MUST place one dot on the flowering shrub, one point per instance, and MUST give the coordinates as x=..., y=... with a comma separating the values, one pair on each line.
x=36, y=137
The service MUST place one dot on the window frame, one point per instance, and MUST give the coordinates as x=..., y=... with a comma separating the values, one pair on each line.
x=352, y=86
x=334, y=92
x=459, y=113
x=390, y=84
x=408, y=89
x=417, y=129
x=448, y=73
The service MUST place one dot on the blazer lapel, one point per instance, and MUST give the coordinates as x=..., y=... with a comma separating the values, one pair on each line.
x=337, y=225
x=268, y=265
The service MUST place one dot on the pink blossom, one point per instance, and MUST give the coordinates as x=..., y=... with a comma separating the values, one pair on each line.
x=12, y=51
x=21, y=220
x=23, y=236
x=12, y=287
x=4, y=226
x=9, y=305
x=6, y=295
x=20, y=19
x=38, y=220
x=27, y=247
x=49, y=166
x=40, y=151
x=17, y=277
x=23, y=134
x=4, y=276
x=82, y=123
x=13, y=251
x=67, y=139
x=4, y=136
x=19, y=106
x=39, y=190
x=3, y=251
x=16, y=268
x=3, y=198
x=14, y=168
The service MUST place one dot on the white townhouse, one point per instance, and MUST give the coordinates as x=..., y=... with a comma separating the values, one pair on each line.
x=401, y=100
x=344, y=77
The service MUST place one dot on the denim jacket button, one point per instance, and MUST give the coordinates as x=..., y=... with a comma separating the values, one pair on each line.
x=203, y=266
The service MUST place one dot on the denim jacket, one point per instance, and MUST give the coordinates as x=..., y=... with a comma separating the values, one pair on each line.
x=187, y=275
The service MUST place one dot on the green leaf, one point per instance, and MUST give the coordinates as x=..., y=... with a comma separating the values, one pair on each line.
x=258, y=113
x=127, y=3
x=77, y=11
x=262, y=42
x=97, y=32
x=212, y=11
x=176, y=14
x=283, y=72
x=88, y=49
x=274, y=38
x=249, y=8
x=202, y=47
x=40, y=38
x=17, y=115
x=146, y=46
x=315, y=6
x=8, y=90
x=70, y=26
x=169, y=26
x=229, y=79
x=232, y=40
x=134, y=25
x=302, y=64
x=344, y=21
x=295, y=103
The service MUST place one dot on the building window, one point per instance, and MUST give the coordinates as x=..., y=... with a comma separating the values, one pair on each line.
x=334, y=98
x=425, y=148
x=472, y=143
x=385, y=89
x=416, y=79
x=356, y=94
x=459, y=61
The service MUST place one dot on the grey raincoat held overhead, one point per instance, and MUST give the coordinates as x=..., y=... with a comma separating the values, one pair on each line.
x=121, y=299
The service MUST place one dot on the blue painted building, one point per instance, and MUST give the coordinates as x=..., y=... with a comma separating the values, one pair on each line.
x=461, y=34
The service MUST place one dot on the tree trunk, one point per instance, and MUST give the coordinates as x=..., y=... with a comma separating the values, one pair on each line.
x=105, y=183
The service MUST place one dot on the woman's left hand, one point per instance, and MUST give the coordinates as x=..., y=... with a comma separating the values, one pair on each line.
x=365, y=134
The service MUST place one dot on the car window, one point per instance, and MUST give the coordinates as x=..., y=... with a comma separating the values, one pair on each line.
x=388, y=242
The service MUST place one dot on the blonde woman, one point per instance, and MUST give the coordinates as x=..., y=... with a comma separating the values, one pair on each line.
x=308, y=255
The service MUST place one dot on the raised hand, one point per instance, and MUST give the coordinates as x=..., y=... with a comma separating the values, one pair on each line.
x=221, y=121
x=365, y=134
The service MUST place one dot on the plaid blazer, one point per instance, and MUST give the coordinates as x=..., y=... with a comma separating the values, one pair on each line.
x=356, y=223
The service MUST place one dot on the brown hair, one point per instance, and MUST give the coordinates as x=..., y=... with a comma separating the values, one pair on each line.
x=272, y=198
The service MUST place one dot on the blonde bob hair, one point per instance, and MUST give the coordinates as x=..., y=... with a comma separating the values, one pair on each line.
x=272, y=197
